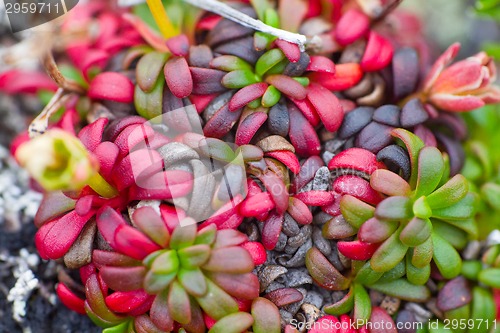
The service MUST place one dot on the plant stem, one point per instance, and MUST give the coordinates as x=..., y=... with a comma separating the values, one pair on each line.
x=101, y=186
x=166, y=27
x=232, y=14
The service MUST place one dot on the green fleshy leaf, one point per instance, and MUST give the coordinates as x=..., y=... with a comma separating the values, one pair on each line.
x=491, y=194
x=216, y=302
x=413, y=145
x=366, y=275
x=271, y=18
x=178, y=303
x=262, y=41
x=394, y=209
x=194, y=256
x=422, y=254
x=483, y=308
x=96, y=303
x=394, y=274
x=471, y=269
x=355, y=211
x=279, y=67
x=417, y=276
x=422, y=209
x=449, y=194
x=229, y=63
x=206, y=236
x=453, y=235
x=447, y=259
x=120, y=328
x=389, y=254
x=156, y=283
x=271, y=97
x=404, y=290
x=260, y=7
x=73, y=74
x=416, y=232
x=458, y=314
x=149, y=68
x=183, y=236
x=150, y=105
x=345, y=305
x=304, y=81
x=268, y=60
x=490, y=277
x=266, y=316
x=491, y=255
x=166, y=263
x=462, y=210
x=193, y=281
x=430, y=171
x=233, y=323
x=469, y=226
x=255, y=104
x=389, y=183
x=239, y=79
x=362, y=304
x=98, y=320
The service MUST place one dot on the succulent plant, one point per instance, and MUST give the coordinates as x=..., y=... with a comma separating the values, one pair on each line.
x=421, y=220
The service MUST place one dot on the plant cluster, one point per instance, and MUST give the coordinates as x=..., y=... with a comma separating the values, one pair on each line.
x=254, y=164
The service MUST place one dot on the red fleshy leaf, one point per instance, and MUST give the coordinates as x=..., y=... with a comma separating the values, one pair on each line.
x=299, y=211
x=321, y=64
x=256, y=205
x=178, y=77
x=110, y=258
x=208, y=22
x=162, y=186
x=116, y=127
x=233, y=222
x=25, y=82
x=357, y=250
x=315, y=198
x=357, y=187
x=130, y=168
x=94, y=59
x=356, y=159
x=132, y=136
x=352, y=25
x=277, y=188
x=346, y=76
x=378, y=53
x=333, y=208
x=286, y=157
x=247, y=95
x=209, y=321
x=108, y=221
x=132, y=242
x=54, y=238
x=257, y=252
x=91, y=135
x=201, y=101
x=327, y=106
x=84, y=204
x=225, y=213
x=69, y=299
x=302, y=135
x=271, y=230
x=152, y=225
x=307, y=110
x=221, y=122
x=106, y=154
x=248, y=127
x=179, y=45
x=291, y=50
x=127, y=301
x=112, y=86
x=86, y=271
x=380, y=316
x=172, y=216
x=287, y=86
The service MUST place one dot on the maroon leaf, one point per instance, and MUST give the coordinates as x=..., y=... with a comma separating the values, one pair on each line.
x=299, y=211
x=123, y=278
x=178, y=45
x=321, y=64
x=248, y=127
x=271, y=230
x=308, y=110
x=247, y=95
x=126, y=302
x=287, y=86
x=221, y=122
x=286, y=157
x=302, y=135
x=207, y=81
x=178, y=77
x=291, y=50
x=91, y=135
x=357, y=187
x=234, y=259
x=243, y=286
x=284, y=296
x=307, y=172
